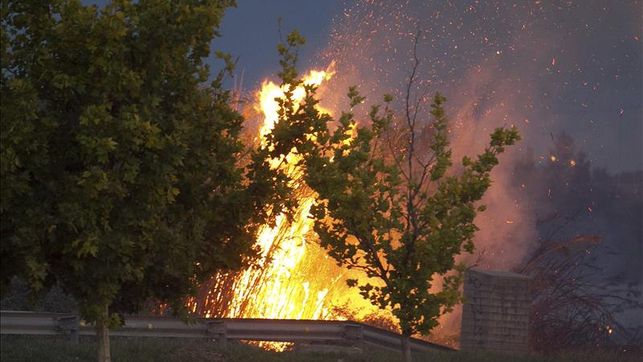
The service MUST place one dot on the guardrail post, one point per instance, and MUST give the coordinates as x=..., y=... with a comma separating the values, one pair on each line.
x=354, y=335
x=69, y=325
x=217, y=329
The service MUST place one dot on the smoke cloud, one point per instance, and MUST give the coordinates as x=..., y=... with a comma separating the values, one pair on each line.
x=544, y=67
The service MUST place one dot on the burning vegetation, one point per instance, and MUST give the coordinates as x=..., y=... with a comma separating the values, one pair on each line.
x=99, y=236
x=293, y=278
x=389, y=205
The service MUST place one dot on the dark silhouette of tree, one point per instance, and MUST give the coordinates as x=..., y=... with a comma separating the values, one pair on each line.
x=121, y=177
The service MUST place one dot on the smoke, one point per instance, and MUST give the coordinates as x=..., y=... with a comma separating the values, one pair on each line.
x=373, y=47
x=543, y=67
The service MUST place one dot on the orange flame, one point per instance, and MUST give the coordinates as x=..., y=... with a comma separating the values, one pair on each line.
x=294, y=278
x=278, y=290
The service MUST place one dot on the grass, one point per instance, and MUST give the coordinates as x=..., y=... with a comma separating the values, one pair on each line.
x=56, y=349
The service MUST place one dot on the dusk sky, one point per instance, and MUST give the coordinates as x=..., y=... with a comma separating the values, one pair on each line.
x=251, y=32
x=548, y=67
x=577, y=64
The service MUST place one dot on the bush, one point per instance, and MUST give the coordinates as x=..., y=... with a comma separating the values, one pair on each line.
x=18, y=296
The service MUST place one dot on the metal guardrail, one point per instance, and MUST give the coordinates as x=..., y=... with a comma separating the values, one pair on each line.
x=341, y=333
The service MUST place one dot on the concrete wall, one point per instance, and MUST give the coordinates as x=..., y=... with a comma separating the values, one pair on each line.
x=495, y=314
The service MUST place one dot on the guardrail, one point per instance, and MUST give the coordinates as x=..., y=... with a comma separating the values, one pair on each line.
x=339, y=333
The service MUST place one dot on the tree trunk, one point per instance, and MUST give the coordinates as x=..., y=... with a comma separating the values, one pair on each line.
x=406, y=347
x=102, y=337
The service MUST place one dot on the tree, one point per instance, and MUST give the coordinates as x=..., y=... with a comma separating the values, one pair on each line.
x=397, y=211
x=121, y=177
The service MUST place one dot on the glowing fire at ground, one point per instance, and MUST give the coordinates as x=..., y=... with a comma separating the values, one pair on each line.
x=294, y=278
x=279, y=289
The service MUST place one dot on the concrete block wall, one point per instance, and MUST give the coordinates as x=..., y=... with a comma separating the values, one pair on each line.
x=495, y=314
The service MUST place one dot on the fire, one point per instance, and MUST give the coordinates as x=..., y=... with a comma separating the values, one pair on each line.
x=269, y=91
x=294, y=278
x=278, y=291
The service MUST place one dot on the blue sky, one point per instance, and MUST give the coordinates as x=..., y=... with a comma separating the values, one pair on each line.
x=251, y=32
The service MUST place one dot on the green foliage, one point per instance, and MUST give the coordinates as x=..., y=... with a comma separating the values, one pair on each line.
x=398, y=211
x=121, y=168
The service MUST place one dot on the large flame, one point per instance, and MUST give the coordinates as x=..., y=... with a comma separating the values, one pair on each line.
x=294, y=278
x=278, y=287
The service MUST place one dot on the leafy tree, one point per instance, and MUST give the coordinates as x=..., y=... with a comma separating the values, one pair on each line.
x=121, y=174
x=396, y=210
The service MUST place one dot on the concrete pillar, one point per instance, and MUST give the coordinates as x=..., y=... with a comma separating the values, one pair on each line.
x=495, y=314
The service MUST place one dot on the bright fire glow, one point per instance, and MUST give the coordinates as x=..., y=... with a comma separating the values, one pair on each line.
x=277, y=289
x=294, y=278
